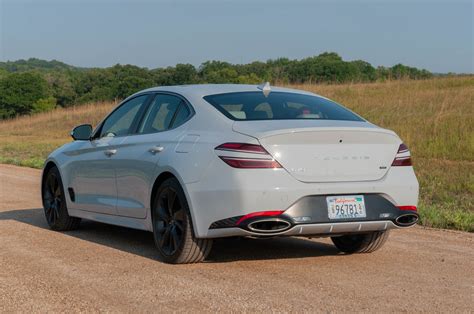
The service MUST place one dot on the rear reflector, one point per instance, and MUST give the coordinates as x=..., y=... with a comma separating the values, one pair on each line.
x=247, y=163
x=269, y=213
x=407, y=207
x=403, y=157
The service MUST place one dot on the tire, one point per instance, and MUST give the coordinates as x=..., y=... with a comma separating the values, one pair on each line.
x=173, y=229
x=361, y=243
x=54, y=203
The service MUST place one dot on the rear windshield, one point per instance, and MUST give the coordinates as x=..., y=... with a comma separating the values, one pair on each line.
x=278, y=106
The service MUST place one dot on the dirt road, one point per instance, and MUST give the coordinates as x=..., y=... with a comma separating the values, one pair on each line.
x=102, y=267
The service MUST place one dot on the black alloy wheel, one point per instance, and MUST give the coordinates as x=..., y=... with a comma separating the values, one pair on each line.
x=172, y=226
x=52, y=198
x=170, y=222
x=54, y=203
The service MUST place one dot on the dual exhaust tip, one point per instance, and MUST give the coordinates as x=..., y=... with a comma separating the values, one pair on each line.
x=269, y=225
x=407, y=220
x=277, y=225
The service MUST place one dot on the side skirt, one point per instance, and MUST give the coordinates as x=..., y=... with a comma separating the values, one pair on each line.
x=134, y=223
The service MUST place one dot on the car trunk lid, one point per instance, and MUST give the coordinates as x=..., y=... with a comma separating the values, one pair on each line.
x=326, y=151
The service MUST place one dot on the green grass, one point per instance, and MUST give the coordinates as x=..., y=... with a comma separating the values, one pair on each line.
x=435, y=118
x=441, y=216
x=31, y=162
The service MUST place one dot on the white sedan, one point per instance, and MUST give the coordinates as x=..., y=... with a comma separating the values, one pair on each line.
x=198, y=162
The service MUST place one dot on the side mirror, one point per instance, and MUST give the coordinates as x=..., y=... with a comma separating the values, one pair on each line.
x=82, y=132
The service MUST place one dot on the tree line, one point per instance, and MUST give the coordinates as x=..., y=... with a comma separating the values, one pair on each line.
x=34, y=85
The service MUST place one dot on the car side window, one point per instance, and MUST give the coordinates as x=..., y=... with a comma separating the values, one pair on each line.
x=120, y=121
x=161, y=114
x=181, y=116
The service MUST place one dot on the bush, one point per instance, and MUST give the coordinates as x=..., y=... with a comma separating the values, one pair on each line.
x=44, y=104
x=19, y=92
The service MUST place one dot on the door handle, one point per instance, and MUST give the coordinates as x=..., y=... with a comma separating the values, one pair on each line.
x=156, y=149
x=110, y=152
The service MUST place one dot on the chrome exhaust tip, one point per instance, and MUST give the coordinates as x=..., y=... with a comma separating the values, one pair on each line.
x=270, y=225
x=406, y=220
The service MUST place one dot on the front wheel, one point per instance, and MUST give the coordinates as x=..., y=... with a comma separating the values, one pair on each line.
x=172, y=227
x=361, y=243
x=54, y=203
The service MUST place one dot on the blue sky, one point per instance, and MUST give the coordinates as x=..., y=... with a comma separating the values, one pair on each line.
x=436, y=35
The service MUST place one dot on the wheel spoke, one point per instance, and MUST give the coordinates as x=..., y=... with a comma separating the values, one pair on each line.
x=50, y=184
x=163, y=213
x=48, y=210
x=56, y=186
x=56, y=212
x=165, y=238
x=175, y=238
x=178, y=215
x=48, y=198
x=160, y=226
x=179, y=225
x=51, y=213
x=171, y=201
x=57, y=192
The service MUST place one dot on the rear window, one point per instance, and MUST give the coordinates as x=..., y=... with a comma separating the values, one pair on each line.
x=278, y=106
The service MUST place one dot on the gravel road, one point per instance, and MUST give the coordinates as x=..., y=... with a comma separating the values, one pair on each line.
x=106, y=268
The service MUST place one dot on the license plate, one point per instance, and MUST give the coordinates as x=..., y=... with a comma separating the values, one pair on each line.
x=347, y=206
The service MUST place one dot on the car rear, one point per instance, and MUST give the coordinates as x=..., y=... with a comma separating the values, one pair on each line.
x=300, y=165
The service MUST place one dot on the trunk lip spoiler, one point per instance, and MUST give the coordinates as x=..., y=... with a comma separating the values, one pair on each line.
x=267, y=132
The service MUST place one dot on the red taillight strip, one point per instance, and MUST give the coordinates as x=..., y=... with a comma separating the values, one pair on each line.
x=402, y=149
x=247, y=163
x=402, y=160
x=407, y=207
x=268, y=213
x=242, y=148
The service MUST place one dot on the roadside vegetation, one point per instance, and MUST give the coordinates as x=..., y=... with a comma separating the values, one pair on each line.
x=34, y=85
x=435, y=118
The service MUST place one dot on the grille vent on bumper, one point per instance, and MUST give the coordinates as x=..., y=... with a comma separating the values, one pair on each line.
x=225, y=223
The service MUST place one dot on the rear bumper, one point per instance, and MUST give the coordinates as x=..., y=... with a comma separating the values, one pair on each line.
x=225, y=192
x=309, y=216
x=320, y=229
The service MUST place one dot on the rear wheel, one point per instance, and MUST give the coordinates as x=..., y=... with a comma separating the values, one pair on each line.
x=361, y=243
x=172, y=227
x=54, y=203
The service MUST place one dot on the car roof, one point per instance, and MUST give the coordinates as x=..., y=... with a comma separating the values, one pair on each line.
x=201, y=90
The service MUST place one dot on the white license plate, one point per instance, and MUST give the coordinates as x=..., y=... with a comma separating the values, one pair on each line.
x=346, y=206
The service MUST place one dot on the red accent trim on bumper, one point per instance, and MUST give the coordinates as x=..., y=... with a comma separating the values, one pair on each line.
x=410, y=207
x=260, y=214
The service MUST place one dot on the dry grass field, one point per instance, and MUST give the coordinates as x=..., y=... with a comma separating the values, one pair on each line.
x=434, y=117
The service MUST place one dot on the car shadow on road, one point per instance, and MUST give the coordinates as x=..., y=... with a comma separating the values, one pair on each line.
x=141, y=242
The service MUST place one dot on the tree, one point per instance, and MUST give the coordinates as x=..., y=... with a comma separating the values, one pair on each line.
x=19, y=92
x=62, y=87
x=37, y=85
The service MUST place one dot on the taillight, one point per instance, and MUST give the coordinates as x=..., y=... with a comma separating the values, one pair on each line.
x=243, y=148
x=403, y=157
x=264, y=159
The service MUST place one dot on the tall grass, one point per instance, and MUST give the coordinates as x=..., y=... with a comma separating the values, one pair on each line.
x=26, y=141
x=435, y=118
